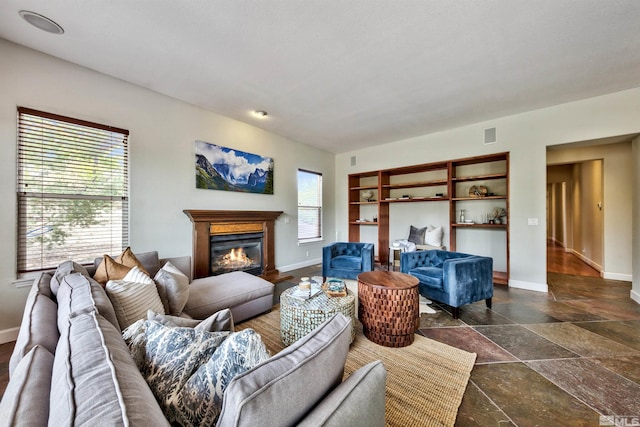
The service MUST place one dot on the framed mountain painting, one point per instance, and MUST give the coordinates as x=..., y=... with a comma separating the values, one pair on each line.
x=227, y=169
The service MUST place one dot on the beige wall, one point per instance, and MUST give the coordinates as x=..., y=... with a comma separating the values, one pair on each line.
x=162, y=183
x=526, y=136
x=635, y=231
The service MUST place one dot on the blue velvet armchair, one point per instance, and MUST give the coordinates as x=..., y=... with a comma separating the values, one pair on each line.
x=452, y=278
x=346, y=260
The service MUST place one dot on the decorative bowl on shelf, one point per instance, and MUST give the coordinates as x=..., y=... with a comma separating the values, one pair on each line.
x=367, y=195
x=478, y=191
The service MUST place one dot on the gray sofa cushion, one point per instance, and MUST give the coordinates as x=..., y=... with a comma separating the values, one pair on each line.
x=95, y=381
x=174, y=286
x=63, y=269
x=38, y=322
x=359, y=400
x=26, y=399
x=211, y=294
x=80, y=294
x=284, y=388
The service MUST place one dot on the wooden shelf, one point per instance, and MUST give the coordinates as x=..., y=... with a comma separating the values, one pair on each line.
x=365, y=187
x=457, y=224
x=457, y=199
x=500, y=277
x=416, y=184
x=480, y=168
x=479, y=177
x=417, y=199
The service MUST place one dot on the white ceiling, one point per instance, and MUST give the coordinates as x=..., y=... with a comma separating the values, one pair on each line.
x=346, y=74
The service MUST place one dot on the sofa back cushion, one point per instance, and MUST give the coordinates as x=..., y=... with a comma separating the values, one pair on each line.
x=80, y=294
x=26, y=399
x=38, y=322
x=297, y=378
x=94, y=379
x=67, y=267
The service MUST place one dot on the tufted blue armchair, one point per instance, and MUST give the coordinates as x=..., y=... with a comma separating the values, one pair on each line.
x=452, y=278
x=346, y=260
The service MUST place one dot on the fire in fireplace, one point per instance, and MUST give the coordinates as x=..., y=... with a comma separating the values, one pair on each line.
x=236, y=252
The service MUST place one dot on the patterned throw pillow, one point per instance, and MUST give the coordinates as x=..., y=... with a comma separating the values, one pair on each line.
x=200, y=401
x=172, y=356
x=219, y=321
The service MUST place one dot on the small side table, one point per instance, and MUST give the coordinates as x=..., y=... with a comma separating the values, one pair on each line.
x=388, y=307
x=392, y=256
x=299, y=317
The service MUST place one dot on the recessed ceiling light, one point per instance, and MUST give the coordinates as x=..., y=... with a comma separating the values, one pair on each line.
x=42, y=22
x=260, y=113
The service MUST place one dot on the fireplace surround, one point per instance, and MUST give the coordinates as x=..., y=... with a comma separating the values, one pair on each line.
x=208, y=223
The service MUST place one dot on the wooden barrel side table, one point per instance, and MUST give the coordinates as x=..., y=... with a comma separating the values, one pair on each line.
x=388, y=307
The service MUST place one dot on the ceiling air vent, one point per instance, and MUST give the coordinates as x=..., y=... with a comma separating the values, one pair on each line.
x=490, y=136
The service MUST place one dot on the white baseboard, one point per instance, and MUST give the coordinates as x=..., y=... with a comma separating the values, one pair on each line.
x=635, y=296
x=529, y=286
x=308, y=263
x=617, y=276
x=588, y=261
x=8, y=335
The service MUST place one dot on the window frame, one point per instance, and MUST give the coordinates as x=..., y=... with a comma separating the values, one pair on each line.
x=319, y=207
x=78, y=134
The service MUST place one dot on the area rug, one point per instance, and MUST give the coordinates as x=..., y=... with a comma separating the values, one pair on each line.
x=425, y=381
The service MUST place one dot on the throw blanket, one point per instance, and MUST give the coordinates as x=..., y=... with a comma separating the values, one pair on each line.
x=406, y=246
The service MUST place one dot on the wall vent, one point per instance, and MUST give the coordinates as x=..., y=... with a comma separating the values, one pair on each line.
x=353, y=160
x=490, y=136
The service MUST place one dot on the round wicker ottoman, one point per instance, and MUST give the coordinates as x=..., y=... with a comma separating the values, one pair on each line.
x=299, y=317
x=388, y=307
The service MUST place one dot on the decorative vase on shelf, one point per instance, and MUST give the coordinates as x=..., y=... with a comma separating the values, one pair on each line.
x=497, y=220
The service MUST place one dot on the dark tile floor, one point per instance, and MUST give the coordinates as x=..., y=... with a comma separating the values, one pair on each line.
x=563, y=358
x=559, y=359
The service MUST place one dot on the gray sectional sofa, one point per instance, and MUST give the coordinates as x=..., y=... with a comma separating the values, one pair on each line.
x=71, y=366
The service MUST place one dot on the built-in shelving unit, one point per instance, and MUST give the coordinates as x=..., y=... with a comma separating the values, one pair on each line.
x=441, y=182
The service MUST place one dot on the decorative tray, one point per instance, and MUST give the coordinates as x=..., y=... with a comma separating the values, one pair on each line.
x=335, y=288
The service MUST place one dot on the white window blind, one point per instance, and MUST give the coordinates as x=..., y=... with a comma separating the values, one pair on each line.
x=309, y=206
x=72, y=190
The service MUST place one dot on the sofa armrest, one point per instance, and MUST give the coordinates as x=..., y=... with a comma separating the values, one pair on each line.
x=359, y=400
x=368, y=257
x=466, y=276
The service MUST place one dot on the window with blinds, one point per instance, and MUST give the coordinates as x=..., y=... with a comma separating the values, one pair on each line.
x=72, y=190
x=309, y=206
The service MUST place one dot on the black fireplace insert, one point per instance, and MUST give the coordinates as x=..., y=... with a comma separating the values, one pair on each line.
x=236, y=252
